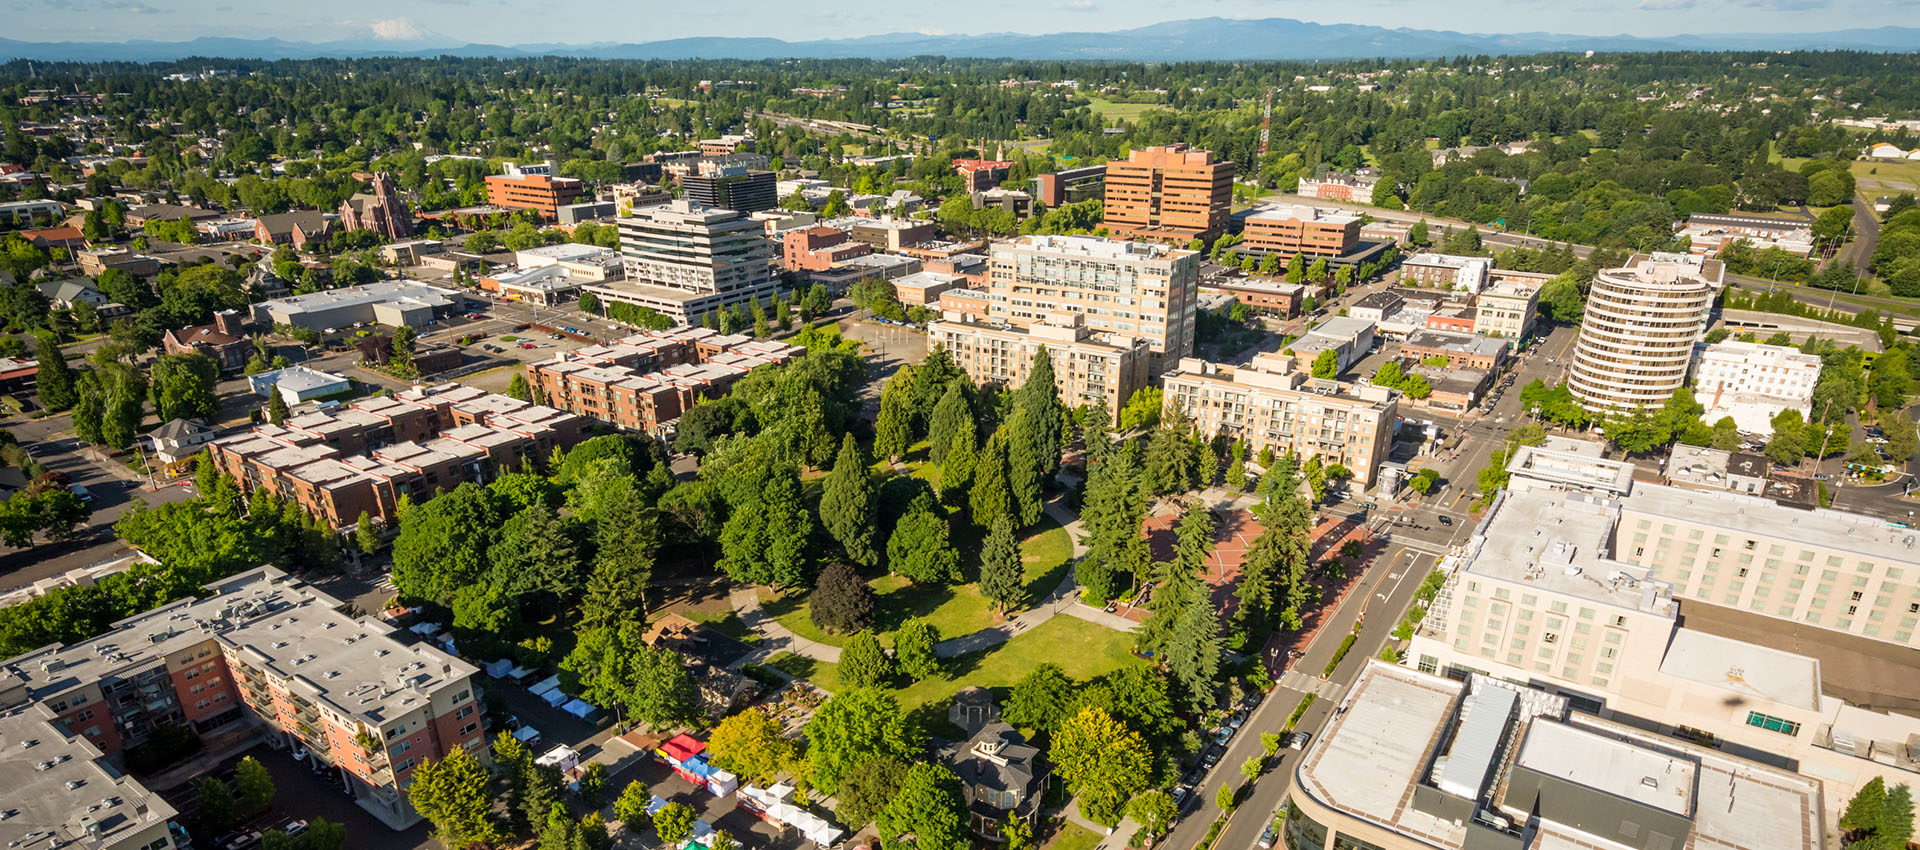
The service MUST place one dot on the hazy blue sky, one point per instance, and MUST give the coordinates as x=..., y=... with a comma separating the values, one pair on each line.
x=586, y=21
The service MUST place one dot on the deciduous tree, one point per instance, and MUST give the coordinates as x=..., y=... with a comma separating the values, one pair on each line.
x=856, y=726
x=928, y=812
x=455, y=794
x=863, y=663
x=913, y=649
x=1103, y=762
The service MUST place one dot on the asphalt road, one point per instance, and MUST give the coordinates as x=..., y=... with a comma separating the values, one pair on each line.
x=1418, y=533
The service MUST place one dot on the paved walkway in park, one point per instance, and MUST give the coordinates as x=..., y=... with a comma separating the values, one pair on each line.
x=1064, y=599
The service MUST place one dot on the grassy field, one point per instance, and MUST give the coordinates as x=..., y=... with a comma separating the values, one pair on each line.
x=1082, y=649
x=1872, y=178
x=1121, y=111
x=957, y=610
x=493, y=380
x=1074, y=837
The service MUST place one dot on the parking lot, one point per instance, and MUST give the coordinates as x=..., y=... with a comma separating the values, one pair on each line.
x=299, y=794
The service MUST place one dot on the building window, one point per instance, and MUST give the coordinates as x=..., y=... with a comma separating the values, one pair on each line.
x=1773, y=724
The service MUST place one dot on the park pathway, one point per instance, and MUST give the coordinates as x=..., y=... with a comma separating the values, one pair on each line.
x=1064, y=599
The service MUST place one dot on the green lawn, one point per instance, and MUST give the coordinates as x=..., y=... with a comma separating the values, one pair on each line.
x=1121, y=111
x=956, y=610
x=1074, y=837
x=725, y=622
x=1082, y=649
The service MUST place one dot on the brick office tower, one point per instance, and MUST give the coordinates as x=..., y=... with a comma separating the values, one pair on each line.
x=532, y=187
x=1168, y=193
x=381, y=211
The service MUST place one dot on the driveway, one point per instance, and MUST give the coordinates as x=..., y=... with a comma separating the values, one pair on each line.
x=302, y=794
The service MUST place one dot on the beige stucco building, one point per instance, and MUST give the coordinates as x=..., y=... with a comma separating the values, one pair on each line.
x=1775, y=634
x=1270, y=405
x=1140, y=290
x=1089, y=368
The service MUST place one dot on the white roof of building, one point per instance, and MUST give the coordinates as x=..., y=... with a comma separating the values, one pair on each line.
x=380, y=292
x=1302, y=212
x=1096, y=247
x=1446, y=260
x=558, y=253
x=300, y=379
x=1584, y=757
x=1560, y=542
x=1747, y=669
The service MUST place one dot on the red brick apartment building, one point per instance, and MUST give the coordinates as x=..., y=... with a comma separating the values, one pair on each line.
x=362, y=459
x=818, y=249
x=1168, y=193
x=646, y=381
x=263, y=648
x=543, y=193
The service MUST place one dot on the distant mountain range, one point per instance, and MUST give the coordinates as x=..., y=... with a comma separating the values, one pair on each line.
x=1196, y=39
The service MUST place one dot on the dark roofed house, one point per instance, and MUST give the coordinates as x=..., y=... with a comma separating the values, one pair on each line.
x=1001, y=774
x=225, y=340
x=293, y=228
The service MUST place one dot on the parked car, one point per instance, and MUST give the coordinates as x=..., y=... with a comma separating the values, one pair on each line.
x=81, y=491
x=1300, y=740
x=295, y=828
x=1212, y=758
x=1268, y=836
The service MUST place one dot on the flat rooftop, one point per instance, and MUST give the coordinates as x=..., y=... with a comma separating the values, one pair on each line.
x=269, y=620
x=372, y=293
x=1616, y=767
x=1863, y=672
x=55, y=781
x=1301, y=212
x=1743, y=515
x=1095, y=247
x=1559, y=542
x=1368, y=764
x=1749, y=669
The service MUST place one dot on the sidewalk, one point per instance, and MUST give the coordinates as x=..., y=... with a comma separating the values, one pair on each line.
x=776, y=638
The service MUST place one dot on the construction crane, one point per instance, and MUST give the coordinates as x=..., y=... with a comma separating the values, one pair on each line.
x=1266, y=123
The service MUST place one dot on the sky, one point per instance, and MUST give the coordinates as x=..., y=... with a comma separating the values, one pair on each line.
x=589, y=21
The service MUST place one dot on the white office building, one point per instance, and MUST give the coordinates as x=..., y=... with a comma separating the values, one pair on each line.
x=1641, y=324
x=1753, y=383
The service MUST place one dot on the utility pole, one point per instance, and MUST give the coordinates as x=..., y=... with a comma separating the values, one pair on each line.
x=1266, y=122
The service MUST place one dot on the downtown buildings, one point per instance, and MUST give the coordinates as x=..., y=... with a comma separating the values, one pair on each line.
x=1753, y=383
x=1641, y=323
x=261, y=649
x=1271, y=405
x=685, y=261
x=646, y=381
x=1113, y=314
x=1770, y=632
x=535, y=187
x=1168, y=193
x=361, y=459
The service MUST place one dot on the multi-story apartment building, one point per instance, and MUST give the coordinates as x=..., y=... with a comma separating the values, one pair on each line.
x=1270, y=405
x=1264, y=294
x=1641, y=323
x=1090, y=368
x=1506, y=310
x=732, y=188
x=1780, y=634
x=1754, y=383
x=63, y=792
x=1288, y=229
x=685, y=261
x=1467, y=273
x=533, y=187
x=264, y=648
x=1141, y=290
x=1411, y=761
x=1168, y=193
x=1341, y=185
x=362, y=458
x=646, y=381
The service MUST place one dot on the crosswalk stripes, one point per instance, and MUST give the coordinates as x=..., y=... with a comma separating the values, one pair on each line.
x=1320, y=688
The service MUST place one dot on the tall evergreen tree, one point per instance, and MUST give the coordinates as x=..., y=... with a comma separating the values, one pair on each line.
x=626, y=536
x=893, y=432
x=992, y=496
x=1040, y=397
x=55, y=382
x=1002, y=574
x=956, y=471
x=1170, y=462
x=767, y=539
x=1193, y=653
x=919, y=547
x=1113, y=509
x=932, y=378
x=847, y=504
x=1026, y=465
x=948, y=416
x=1178, y=582
x=1096, y=434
